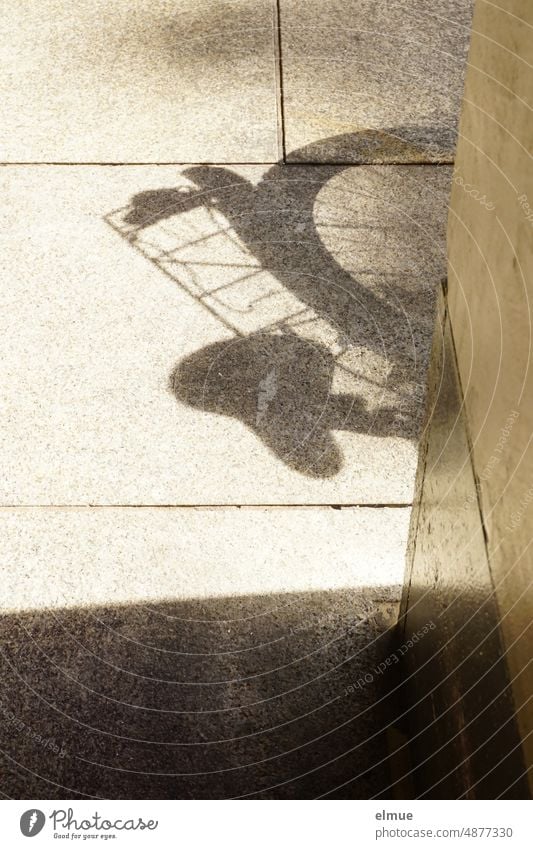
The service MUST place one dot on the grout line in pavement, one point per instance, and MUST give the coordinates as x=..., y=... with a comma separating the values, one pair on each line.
x=293, y=163
x=279, y=82
x=113, y=164
x=289, y=163
x=373, y=506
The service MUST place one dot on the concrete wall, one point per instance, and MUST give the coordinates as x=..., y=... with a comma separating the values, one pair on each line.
x=491, y=293
x=470, y=557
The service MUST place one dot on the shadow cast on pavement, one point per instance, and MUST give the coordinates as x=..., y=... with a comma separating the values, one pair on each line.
x=278, y=377
x=208, y=698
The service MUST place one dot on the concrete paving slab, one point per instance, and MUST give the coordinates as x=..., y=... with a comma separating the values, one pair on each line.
x=197, y=653
x=77, y=557
x=145, y=82
x=367, y=81
x=208, y=335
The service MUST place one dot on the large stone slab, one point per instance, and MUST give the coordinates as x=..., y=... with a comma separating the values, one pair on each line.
x=209, y=335
x=78, y=557
x=367, y=81
x=150, y=81
x=184, y=653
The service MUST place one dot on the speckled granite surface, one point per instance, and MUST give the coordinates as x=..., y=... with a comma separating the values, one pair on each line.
x=197, y=653
x=373, y=80
x=216, y=336
x=224, y=335
x=150, y=81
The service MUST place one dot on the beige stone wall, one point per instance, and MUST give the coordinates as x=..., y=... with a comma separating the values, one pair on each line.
x=490, y=304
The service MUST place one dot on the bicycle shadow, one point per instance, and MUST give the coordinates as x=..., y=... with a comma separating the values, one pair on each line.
x=378, y=333
x=280, y=386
